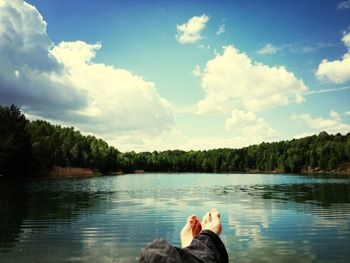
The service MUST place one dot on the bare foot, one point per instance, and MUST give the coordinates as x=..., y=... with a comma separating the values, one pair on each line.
x=211, y=221
x=190, y=230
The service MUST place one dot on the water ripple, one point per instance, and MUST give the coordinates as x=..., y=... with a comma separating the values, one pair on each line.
x=110, y=219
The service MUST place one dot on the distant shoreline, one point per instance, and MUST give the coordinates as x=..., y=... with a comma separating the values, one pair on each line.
x=64, y=172
x=67, y=172
x=78, y=172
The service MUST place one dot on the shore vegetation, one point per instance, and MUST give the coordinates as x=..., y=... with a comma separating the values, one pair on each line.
x=32, y=148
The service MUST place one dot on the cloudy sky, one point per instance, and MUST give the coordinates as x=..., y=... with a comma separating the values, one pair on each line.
x=194, y=74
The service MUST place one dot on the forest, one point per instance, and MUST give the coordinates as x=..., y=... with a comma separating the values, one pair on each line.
x=32, y=148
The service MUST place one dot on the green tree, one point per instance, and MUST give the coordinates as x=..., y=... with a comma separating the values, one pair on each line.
x=15, y=145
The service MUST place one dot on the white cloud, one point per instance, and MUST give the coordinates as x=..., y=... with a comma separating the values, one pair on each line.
x=196, y=71
x=170, y=140
x=337, y=71
x=335, y=115
x=248, y=125
x=330, y=125
x=62, y=82
x=311, y=92
x=294, y=48
x=268, y=49
x=232, y=80
x=221, y=30
x=344, y=4
x=190, y=32
x=297, y=48
x=204, y=47
x=303, y=134
x=206, y=143
x=175, y=138
x=113, y=94
x=29, y=74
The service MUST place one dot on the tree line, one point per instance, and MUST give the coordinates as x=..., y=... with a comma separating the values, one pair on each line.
x=313, y=153
x=32, y=147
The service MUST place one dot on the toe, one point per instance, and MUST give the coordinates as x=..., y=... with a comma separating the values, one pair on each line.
x=206, y=219
x=191, y=220
x=214, y=212
x=208, y=216
x=197, y=227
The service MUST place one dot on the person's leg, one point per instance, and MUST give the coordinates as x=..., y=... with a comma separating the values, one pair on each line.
x=190, y=230
x=207, y=245
x=197, y=245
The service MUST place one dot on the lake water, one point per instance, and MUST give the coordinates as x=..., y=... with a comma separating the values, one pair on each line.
x=266, y=218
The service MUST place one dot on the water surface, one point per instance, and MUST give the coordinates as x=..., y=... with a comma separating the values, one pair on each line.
x=266, y=218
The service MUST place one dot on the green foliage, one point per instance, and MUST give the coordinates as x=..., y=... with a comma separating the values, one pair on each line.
x=38, y=146
x=54, y=145
x=32, y=147
x=314, y=152
x=15, y=145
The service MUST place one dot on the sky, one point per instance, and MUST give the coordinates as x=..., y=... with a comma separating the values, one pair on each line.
x=193, y=75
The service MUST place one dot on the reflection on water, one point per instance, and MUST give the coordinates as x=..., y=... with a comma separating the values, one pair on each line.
x=266, y=218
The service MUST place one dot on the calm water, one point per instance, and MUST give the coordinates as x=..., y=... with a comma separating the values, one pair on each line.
x=266, y=218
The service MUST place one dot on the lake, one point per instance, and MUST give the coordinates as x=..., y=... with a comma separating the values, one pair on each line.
x=266, y=217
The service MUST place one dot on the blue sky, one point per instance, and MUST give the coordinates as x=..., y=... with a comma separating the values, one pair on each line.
x=155, y=75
